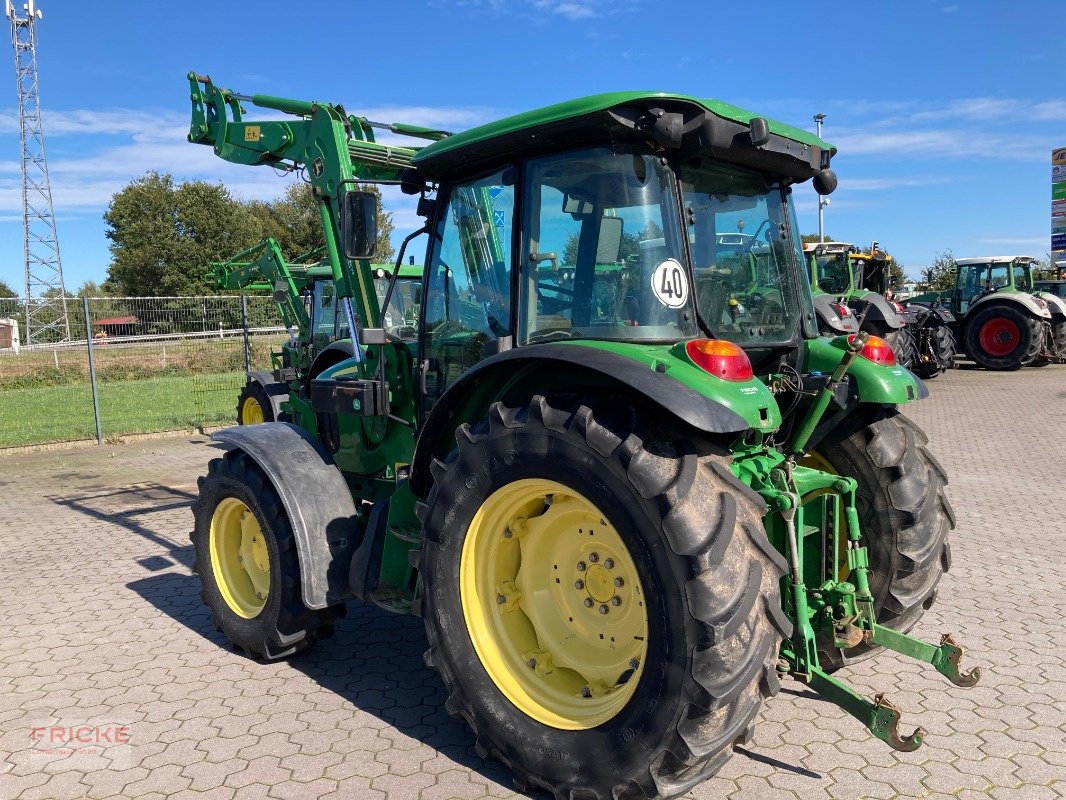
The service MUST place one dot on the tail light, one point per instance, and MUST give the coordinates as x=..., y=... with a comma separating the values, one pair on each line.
x=877, y=350
x=720, y=358
x=841, y=309
x=899, y=307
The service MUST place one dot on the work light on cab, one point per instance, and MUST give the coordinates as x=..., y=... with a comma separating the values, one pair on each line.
x=720, y=358
x=877, y=350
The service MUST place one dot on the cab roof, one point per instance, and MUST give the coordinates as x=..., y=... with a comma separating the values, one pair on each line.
x=607, y=117
x=992, y=260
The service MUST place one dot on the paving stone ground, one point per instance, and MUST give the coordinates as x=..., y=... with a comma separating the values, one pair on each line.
x=102, y=626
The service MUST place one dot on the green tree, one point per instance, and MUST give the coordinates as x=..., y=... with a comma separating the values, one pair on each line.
x=90, y=289
x=812, y=238
x=940, y=275
x=6, y=290
x=163, y=235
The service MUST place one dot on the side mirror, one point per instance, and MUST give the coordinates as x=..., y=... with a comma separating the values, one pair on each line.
x=359, y=224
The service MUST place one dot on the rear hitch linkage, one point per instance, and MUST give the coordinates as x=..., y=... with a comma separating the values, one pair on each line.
x=843, y=610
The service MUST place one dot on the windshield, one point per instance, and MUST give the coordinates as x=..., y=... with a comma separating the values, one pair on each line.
x=745, y=260
x=401, y=317
x=603, y=256
x=833, y=272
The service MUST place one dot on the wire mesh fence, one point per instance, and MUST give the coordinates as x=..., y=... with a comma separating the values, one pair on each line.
x=158, y=363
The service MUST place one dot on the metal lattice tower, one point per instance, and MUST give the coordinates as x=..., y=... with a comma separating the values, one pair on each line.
x=46, y=316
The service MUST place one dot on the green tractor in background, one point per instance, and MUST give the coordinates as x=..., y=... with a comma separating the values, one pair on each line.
x=624, y=509
x=843, y=298
x=305, y=295
x=1000, y=322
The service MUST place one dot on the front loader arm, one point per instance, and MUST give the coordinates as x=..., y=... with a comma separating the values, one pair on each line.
x=263, y=268
x=336, y=150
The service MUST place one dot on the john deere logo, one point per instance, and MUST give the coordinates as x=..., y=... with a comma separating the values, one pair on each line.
x=318, y=167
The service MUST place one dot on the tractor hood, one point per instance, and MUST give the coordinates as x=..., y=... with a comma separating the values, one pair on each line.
x=688, y=125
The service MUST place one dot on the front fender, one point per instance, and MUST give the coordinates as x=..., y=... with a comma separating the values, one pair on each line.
x=681, y=389
x=317, y=502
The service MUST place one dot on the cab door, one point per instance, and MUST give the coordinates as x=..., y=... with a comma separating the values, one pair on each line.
x=467, y=304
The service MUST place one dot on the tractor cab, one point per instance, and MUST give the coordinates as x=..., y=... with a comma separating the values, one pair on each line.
x=614, y=243
x=979, y=277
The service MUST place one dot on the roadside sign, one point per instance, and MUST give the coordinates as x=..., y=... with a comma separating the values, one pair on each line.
x=1058, y=200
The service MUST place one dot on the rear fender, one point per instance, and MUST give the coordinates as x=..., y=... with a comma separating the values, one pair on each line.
x=317, y=502
x=829, y=318
x=880, y=314
x=1025, y=301
x=541, y=366
x=874, y=383
x=1055, y=304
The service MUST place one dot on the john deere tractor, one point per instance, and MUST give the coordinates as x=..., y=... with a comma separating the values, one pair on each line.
x=624, y=509
x=849, y=287
x=305, y=295
x=1000, y=323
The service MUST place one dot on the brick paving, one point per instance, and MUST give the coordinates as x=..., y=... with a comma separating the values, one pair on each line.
x=102, y=626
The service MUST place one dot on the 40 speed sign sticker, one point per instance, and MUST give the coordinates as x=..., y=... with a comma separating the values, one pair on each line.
x=669, y=284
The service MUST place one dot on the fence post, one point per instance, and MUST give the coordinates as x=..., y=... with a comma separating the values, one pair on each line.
x=247, y=340
x=92, y=369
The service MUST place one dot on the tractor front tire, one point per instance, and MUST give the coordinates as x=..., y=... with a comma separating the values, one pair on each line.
x=247, y=563
x=904, y=516
x=1000, y=337
x=555, y=529
x=254, y=405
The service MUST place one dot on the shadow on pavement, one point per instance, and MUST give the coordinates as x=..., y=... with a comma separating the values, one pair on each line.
x=373, y=660
x=125, y=507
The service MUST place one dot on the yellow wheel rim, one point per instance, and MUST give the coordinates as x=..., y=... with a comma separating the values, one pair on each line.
x=814, y=460
x=554, y=604
x=251, y=412
x=240, y=559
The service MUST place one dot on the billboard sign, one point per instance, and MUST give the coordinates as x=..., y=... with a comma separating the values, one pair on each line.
x=1058, y=201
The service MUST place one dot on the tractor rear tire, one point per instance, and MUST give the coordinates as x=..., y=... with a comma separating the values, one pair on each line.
x=254, y=405
x=941, y=343
x=708, y=576
x=903, y=346
x=1054, y=342
x=1000, y=337
x=904, y=515
x=237, y=503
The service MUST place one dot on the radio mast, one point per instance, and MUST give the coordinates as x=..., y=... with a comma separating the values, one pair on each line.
x=46, y=302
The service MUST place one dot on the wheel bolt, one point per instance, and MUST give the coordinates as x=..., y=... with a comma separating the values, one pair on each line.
x=532, y=663
x=609, y=563
x=633, y=663
x=586, y=692
x=619, y=582
x=594, y=557
x=616, y=601
x=259, y=595
x=581, y=566
x=500, y=599
x=579, y=584
x=588, y=602
x=604, y=609
x=507, y=534
x=240, y=559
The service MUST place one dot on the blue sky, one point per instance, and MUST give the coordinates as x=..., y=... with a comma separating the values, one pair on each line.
x=944, y=112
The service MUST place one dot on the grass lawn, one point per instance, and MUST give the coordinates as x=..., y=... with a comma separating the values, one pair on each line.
x=65, y=413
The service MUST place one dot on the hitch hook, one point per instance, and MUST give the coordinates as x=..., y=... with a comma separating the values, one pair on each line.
x=952, y=654
x=884, y=724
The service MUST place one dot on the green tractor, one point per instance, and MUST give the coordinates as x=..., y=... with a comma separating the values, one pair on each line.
x=1000, y=322
x=305, y=295
x=849, y=289
x=621, y=528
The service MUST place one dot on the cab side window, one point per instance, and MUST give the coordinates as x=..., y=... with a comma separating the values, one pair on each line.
x=468, y=297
